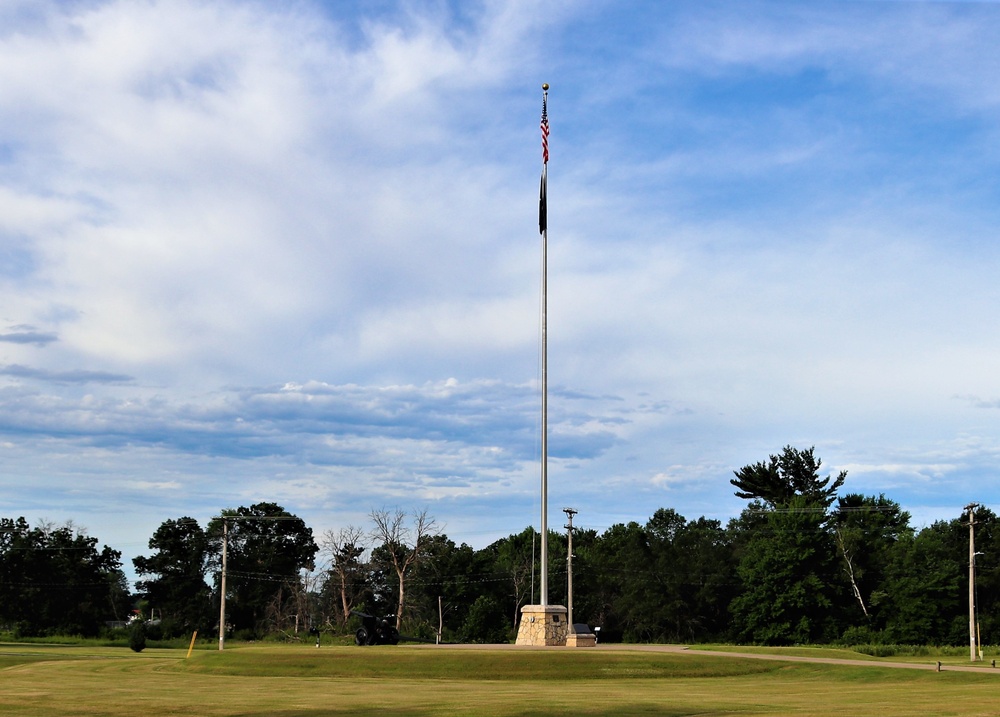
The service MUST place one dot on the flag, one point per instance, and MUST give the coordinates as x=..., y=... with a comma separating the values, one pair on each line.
x=542, y=208
x=545, y=132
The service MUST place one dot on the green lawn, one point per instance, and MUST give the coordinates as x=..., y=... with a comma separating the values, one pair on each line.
x=916, y=655
x=420, y=681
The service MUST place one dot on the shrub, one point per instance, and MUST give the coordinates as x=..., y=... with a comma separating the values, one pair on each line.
x=485, y=622
x=244, y=635
x=883, y=650
x=137, y=636
x=861, y=635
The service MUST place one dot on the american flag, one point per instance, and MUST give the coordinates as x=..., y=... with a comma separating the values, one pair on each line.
x=543, y=210
x=545, y=133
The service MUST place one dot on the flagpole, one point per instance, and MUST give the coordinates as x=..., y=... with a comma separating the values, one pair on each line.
x=544, y=229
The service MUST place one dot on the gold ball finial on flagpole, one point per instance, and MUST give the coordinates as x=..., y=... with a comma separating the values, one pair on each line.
x=545, y=86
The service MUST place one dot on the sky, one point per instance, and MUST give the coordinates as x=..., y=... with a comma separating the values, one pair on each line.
x=289, y=252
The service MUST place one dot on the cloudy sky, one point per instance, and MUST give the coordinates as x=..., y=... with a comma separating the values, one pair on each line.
x=258, y=251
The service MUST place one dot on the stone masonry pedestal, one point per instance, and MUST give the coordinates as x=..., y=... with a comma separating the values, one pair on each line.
x=542, y=625
x=581, y=639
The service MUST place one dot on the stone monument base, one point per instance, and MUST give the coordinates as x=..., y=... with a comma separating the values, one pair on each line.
x=581, y=636
x=542, y=625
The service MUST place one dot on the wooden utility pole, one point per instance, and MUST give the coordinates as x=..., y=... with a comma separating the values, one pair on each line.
x=222, y=587
x=971, y=507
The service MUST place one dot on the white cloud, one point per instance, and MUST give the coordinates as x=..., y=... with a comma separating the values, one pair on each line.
x=256, y=240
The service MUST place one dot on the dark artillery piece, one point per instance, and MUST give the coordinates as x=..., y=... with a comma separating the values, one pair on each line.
x=375, y=631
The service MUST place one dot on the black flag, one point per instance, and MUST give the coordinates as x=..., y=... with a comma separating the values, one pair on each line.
x=542, y=210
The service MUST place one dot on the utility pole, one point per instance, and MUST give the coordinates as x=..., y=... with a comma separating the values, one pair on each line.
x=222, y=587
x=569, y=565
x=971, y=507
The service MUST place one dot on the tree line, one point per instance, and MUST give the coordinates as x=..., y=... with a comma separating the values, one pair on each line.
x=802, y=563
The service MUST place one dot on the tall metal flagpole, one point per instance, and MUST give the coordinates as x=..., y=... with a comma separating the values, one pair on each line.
x=543, y=229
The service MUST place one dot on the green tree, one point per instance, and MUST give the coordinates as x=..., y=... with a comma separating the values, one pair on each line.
x=867, y=530
x=55, y=580
x=669, y=580
x=586, y=610
x=623, y=592
x=925, y=588
x=791, y=590
x=267, y=549
x=453, y=574
x=925, y=599
x=782, y=477
x=176, y=584
x=705, y=575
x=987, y=573
x=786, y=569
x=484, y=622
x=511, y=567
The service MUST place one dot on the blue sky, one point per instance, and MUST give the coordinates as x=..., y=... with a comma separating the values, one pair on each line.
x=288, y=252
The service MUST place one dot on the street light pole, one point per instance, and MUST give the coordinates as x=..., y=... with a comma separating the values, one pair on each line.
x=569, y=566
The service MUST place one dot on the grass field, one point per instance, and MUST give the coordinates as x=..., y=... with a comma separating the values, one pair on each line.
x=417, y=681
x=947, y=656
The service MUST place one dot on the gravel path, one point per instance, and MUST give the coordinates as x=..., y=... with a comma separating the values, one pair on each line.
x=682, y=649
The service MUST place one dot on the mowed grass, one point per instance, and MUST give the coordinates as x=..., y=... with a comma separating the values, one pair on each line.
x=442, y=663
x=419, y=681
x=948, y=657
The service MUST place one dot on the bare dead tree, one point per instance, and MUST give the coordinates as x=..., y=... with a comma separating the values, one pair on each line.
x=305, y=603
x=288, y=610
x=406, y=537
x=276, y=612
x=344, y=548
